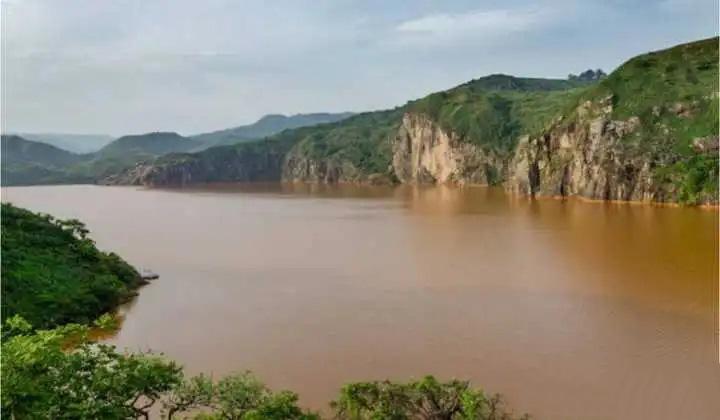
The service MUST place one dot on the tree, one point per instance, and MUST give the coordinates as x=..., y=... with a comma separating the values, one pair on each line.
x=59, y=373
x=239, y=396
x=426, y=399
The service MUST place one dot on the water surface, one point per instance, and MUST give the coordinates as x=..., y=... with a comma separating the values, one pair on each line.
x=569, y=309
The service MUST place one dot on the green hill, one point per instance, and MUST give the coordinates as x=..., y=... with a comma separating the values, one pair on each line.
x=26, y=162
x=53, y=274
x=18, y=150
x=668, y=103
x=150, y=144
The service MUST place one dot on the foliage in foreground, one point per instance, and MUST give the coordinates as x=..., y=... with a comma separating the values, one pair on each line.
x=424, y=399
x=53, y=274
x=60, y=373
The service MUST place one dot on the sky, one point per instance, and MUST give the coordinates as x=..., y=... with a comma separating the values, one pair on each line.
x=133, y=66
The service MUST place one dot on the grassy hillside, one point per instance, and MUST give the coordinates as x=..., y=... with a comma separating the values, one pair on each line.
x=53, y=274
x=365, y=140
x=674, y=93
x=491, y=111
x=494, y=111
x=266, y=126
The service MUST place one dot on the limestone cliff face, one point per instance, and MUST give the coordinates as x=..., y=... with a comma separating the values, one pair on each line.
x=425, y=153
x=587, y=156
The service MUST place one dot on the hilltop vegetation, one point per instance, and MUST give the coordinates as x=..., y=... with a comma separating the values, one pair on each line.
x=673, y=95
x=494, y=111
x=490, y=111
x=53, y=274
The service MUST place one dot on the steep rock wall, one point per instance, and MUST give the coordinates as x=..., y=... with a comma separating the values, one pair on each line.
x=425, y=153
x=298, y=167
x=588, y=155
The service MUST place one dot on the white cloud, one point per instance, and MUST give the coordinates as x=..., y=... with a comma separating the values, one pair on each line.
x=473, y=24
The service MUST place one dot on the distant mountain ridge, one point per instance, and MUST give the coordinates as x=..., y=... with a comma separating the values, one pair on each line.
x=28, y=162
x=76, y=143
x=268, y=125
x=17, y=150
x=156, y=143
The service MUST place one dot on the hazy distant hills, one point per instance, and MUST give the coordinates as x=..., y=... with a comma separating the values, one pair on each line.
x=267, y=126
x=77, y=143
x=26, y=162
x=17, y=150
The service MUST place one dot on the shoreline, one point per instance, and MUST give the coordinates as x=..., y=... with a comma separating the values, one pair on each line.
x=704, y=206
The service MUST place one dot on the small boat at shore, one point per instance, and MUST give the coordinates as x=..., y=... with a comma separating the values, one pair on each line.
x=146, y=274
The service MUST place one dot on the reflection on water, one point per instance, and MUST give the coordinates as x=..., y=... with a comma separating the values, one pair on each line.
x=570, y=309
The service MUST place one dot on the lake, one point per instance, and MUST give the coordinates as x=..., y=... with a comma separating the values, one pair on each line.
x=569, y=309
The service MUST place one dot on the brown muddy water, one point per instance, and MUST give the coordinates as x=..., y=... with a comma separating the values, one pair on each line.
x=568, y=309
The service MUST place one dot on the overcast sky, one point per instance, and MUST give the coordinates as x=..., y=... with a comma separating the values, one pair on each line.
x=132, y=66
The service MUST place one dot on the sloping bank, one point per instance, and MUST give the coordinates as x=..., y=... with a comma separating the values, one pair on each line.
x=53, y=274
x=648, y=132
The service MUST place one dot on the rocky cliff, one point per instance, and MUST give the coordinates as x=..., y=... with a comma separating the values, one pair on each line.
x=586, y=156
x=592, y=155
x=425, y=153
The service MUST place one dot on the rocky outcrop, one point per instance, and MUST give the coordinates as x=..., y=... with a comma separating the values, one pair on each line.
x=258, y=162
x=588, y=155
x=425, y=153
x=301, y=168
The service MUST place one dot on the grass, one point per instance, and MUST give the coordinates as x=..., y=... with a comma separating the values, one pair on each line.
x=674, y=92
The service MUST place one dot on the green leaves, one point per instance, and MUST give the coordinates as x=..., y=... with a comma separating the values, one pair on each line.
x=424, y=399
x=53, y=273
x=239, y=396
x=59, y=373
